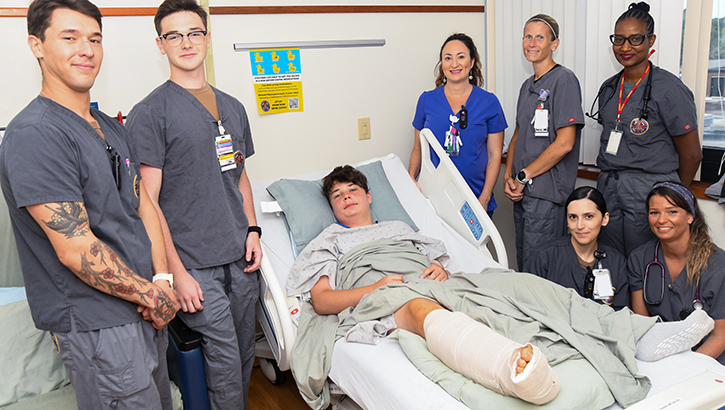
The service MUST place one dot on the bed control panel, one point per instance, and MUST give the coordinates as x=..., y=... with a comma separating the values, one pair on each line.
x=293, y=305
x=472, y=221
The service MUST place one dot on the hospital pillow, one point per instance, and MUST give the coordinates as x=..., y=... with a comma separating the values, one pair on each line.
x=30, y=363
x=308, y=212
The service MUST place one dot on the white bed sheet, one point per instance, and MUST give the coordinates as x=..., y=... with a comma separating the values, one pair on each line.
x=675, y=369
x=381, y=376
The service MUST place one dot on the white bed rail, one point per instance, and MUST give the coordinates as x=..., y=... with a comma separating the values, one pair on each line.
x=275, y=322
x=459, y=207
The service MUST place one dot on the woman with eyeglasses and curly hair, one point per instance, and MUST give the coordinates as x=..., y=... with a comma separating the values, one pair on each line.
x=649, y=130
x=681, y=271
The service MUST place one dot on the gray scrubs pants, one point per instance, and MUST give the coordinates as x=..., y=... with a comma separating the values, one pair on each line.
x=626, y=193
x=538, y=223
x=228, y=330
x=122, y=367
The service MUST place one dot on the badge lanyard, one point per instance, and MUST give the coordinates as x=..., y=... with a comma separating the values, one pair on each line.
x=224, y=149
x=453, y=142
x=620, y=105
x=615, y=136
x=598, y=282
x=541, y=116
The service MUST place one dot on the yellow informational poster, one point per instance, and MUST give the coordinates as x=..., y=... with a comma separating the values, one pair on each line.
x=277, y=74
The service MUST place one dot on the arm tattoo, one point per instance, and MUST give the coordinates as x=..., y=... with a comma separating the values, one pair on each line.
x=118, y=280
x=163, y=307
x=69, y=218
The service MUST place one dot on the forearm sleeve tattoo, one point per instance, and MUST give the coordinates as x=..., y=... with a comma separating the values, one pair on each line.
x=101, y=267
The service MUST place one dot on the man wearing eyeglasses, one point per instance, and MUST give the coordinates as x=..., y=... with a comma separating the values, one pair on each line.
x=87, y=234
x=192, y=141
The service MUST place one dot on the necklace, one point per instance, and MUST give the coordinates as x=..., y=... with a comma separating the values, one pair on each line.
x=44, y=95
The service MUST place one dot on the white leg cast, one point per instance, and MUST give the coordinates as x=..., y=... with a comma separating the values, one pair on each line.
x=479, y=353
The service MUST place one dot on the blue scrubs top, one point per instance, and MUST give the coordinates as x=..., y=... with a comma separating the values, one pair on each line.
x=485, y=116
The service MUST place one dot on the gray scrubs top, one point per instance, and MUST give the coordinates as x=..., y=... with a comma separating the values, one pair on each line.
x=564, y=103
x=560, y=264
x=650, y=148
x=202, y=205
x=676, y=297
x=50, y=154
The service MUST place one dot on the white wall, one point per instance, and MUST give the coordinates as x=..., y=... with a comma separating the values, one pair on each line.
x=339, y=85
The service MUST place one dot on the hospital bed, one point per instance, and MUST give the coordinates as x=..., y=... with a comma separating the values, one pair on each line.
x=381, y=376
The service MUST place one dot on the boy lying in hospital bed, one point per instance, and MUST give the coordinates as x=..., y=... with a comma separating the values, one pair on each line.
x=339, y=270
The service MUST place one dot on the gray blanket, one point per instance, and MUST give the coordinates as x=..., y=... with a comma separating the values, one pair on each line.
x=522, y=307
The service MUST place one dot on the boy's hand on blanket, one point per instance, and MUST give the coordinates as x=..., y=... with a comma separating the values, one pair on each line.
x=435, y=272
x=389, y=280
x=188, y=292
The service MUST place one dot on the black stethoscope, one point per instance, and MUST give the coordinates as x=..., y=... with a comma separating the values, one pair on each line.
x=696, y=304
x=612, y=85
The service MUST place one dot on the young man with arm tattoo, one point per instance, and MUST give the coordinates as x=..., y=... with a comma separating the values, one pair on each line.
x=89, y=239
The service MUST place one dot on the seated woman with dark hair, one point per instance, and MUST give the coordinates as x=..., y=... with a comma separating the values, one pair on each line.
x=580, y=262
x=681, y=272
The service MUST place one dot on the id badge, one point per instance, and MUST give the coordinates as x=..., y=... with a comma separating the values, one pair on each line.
x=602, y=284
x=541, y=123
x=615, y=137
x=225, y=152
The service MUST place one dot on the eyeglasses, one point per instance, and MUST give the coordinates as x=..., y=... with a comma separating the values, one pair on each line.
x=634, y=39
x=115, y=166
x=175, y=39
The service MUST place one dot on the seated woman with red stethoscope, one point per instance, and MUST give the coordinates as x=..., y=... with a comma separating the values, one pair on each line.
x=681, y=271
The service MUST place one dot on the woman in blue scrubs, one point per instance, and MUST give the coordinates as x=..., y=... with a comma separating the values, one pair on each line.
x=579, y=261
x=681, y=270
x=467, y=120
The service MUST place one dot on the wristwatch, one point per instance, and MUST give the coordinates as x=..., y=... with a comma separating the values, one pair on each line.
x=521, y=178
x=164, y=276
x=256, y=229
